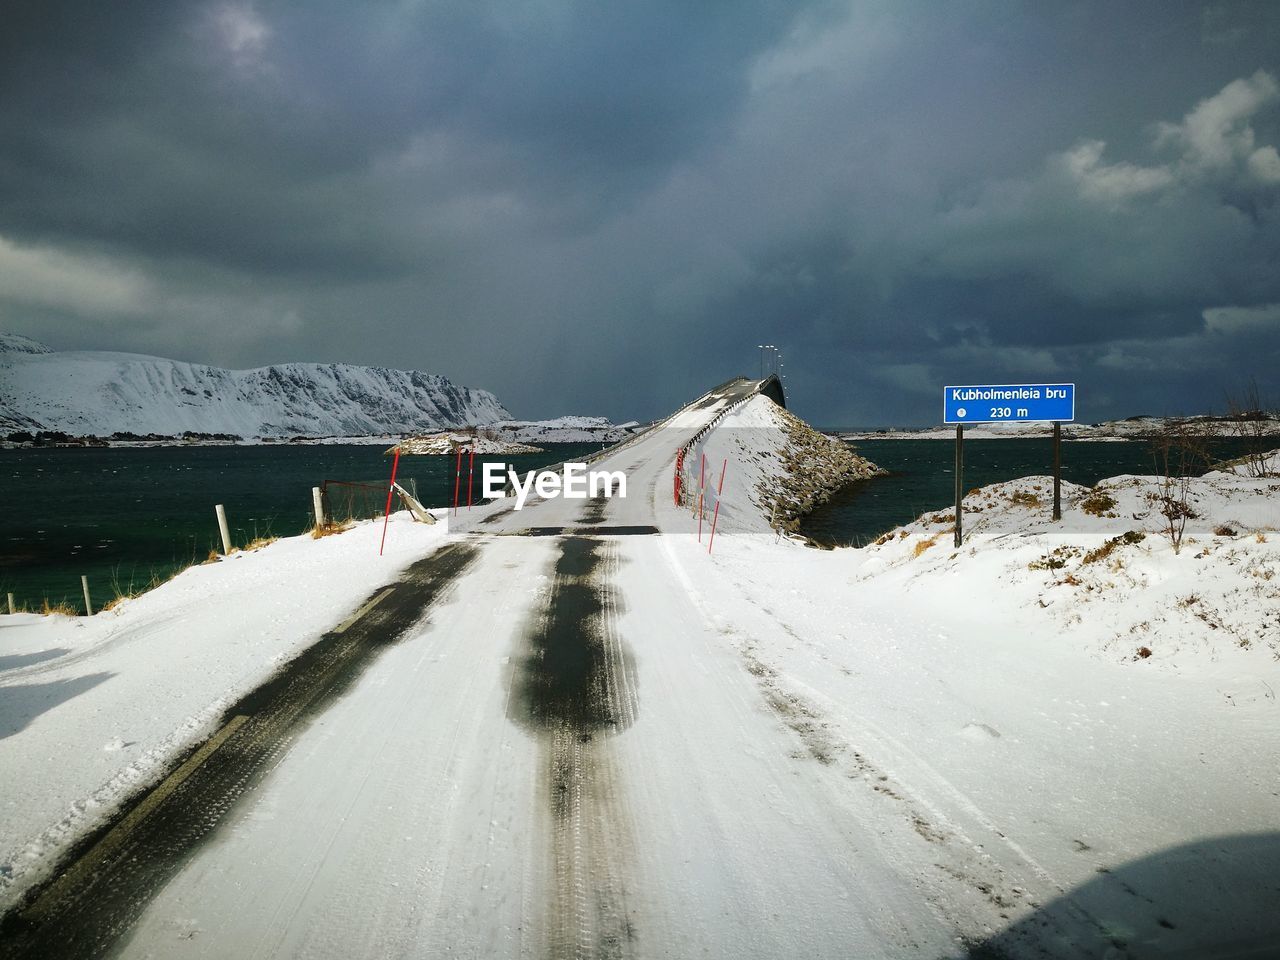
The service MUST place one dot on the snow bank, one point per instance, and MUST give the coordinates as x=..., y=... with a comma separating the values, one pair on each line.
x=1112, y=577
x=92, y=709
x=995, y=699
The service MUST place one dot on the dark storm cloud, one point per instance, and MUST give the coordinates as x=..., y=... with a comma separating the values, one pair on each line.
x=604, y=207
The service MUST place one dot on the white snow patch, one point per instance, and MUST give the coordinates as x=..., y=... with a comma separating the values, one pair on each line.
x=153, y=675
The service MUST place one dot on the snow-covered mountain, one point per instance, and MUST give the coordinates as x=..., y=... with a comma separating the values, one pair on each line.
x=98, y=394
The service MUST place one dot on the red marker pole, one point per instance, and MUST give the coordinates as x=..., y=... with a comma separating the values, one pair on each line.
x=702, y=471
x=386, y=514
x=457, y=479
x=716, y=518
x=471, y=475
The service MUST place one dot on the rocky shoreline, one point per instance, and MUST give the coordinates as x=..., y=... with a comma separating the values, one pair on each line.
x=814, y=468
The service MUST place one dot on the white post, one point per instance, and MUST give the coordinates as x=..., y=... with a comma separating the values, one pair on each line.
x=12, y=608
x=222, y=528
x=317, y=502
x=88, y=606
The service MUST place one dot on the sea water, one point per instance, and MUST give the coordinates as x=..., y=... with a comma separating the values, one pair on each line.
x=124, y=516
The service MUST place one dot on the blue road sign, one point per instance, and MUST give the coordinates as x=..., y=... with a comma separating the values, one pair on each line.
x=1009, y=403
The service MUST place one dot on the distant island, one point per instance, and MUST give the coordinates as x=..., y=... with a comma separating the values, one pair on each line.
x=449, y=442
x=1141, y=427
x=94, y=398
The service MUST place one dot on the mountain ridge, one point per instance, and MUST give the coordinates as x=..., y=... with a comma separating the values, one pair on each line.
x=100, y=393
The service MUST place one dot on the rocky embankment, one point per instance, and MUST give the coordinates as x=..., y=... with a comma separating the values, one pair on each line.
x=776, y=469
x=813, y=467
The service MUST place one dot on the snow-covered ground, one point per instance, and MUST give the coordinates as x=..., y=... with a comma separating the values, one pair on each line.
x=1108, y=578
x=902, y=750
x=93, y=708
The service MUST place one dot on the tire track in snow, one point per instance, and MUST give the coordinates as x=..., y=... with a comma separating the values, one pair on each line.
x=109, y=879
x=575, y=688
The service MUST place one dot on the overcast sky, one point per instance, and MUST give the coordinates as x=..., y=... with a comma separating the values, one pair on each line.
x=602, y=207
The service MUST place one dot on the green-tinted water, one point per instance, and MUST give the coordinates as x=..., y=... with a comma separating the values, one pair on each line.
x=125, y=516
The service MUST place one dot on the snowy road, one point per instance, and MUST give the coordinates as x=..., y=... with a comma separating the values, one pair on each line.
x=557, y=757
x=636, y=797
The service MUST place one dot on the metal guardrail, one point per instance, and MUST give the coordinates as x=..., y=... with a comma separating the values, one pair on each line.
x=682, y=453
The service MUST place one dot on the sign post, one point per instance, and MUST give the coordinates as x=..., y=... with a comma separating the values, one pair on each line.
x=1057, y=470
x=959, y=479
x=1009, y=403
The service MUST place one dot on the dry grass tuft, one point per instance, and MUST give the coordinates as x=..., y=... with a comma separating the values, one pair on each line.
x=924, y=545
x=1128, y=538
x=1055, y=559
x=1098, y=503
x=329, y=528
x=64, y=608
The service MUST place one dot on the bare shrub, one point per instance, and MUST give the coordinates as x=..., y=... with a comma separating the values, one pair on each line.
x=1180, y=451
x=1252, y=420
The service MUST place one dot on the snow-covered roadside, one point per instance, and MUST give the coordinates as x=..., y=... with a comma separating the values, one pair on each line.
x=997, y=698
x=1108, y=577
x=92, y=709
